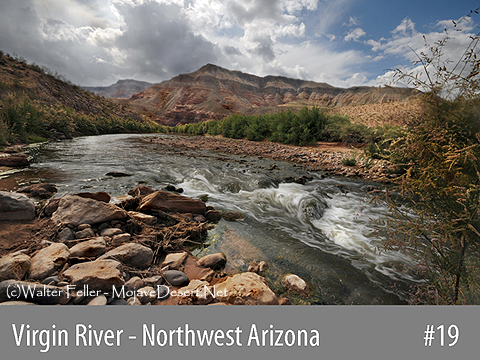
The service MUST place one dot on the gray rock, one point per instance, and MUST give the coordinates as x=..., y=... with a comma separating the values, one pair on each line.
x=14, y=266
x=213, y=261
x=48, y=261
x=99, y=300
x=98, y=275
x=154, y=281
x=84, y=234
x=111, y=232
x=176, y=277
x=32, y=292
x=14, y=206
x=134, y=283
x=73, y=208
x=133, y=301
x=132, y=254
x=65, y=235
x=146, y=294
x=118, y=302
x=89, y=249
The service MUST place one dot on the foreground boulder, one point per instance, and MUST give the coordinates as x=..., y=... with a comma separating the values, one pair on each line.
x=15, y=206
x=97, y=275
x=165, y=201
x=132, y=254
x=75, y=209
x=32, y=292
x=48, y=261
x=245, y=289
x=40, y=191
x=14, y=266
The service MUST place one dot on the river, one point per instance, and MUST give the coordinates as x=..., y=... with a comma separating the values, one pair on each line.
x=324, y=231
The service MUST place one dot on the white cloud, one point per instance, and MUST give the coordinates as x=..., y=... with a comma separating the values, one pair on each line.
x=355, y=34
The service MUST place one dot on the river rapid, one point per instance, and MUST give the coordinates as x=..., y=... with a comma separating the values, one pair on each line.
x=325, y=231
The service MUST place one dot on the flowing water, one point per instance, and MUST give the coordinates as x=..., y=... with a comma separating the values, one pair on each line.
x=324, y=231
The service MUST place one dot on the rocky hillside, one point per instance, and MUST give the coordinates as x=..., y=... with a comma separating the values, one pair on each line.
x=123, y=89
x=213, y=93
x=19, y=79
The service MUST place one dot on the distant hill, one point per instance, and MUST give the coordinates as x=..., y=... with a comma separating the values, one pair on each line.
x=213, y=92
x=123, y=89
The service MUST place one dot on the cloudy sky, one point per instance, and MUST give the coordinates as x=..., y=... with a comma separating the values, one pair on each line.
x=340, y=42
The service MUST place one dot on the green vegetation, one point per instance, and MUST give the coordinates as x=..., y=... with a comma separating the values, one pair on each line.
x=287, y=127
x=25, y=118
x=439, y=155
x=24, y=121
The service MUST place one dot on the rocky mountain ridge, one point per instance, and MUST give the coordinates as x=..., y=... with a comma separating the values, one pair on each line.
x=213, y=92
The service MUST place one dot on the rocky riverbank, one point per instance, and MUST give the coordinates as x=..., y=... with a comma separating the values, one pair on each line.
x=327, y=157
x=84, y=250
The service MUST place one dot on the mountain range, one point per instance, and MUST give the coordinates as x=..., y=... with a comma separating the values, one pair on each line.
x=213, y=92
x=123, y=89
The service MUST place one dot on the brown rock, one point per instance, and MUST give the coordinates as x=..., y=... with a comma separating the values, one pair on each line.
x=197, y=292
x=51, y=207
x=295, y=284
x=99, y=196
x=14, y=266
x=165, y=201
x=175, y=260
x=14, y=161
x=146, y=219
x=132, y=254
x=89, y=249
x=232, y=216
x=141, y=190
x=245, y=289
x=213, y=215
x=98, y=275
x=75, y=209
x=214, y=261
x=48, y=261
x=41, y=191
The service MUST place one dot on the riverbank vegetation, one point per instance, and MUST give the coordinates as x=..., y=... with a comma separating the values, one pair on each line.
x=37, y=104
x=306, y=127
x=439, y=156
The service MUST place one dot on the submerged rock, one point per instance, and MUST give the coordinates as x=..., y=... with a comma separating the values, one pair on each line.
x=232, y=216
x=295, y=284
x=214, y=261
